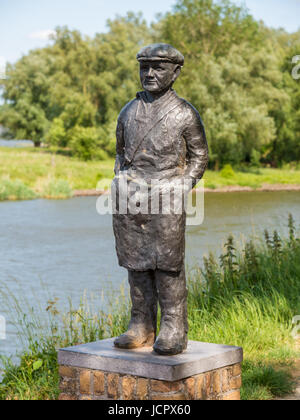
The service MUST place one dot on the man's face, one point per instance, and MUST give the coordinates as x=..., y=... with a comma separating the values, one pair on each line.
x=157, y=76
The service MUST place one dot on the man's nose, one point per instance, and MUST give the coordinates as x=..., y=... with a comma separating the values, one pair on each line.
x=150, y=72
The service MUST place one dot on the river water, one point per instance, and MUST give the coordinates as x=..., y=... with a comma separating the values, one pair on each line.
x=15, y=143
x=62, y=248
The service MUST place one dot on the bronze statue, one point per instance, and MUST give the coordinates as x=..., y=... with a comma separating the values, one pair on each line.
x=159, y=136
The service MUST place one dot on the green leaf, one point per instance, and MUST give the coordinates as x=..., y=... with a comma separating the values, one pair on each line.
x=37, y=365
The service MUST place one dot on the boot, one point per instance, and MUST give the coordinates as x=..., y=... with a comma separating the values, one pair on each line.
x=142, y=327
x=172, y=296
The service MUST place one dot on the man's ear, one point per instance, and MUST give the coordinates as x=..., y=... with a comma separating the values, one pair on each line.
x=177, y=71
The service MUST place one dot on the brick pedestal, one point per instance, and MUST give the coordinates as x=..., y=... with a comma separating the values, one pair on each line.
x=98, y=371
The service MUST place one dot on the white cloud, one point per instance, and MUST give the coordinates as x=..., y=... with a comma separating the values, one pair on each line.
x=42, y=35
x=2, y=67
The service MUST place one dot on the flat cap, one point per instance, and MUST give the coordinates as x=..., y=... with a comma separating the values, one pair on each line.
x=160, y=52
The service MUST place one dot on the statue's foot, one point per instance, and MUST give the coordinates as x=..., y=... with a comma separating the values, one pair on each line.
x=129, y=340
x=167, y=346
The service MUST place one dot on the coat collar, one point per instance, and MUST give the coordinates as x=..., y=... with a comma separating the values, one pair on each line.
x=162, y=106
x=146, y=120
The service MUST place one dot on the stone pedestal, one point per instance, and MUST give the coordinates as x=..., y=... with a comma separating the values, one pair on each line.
x=99, y=371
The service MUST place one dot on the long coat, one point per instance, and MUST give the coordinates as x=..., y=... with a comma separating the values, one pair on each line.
x=162, y=139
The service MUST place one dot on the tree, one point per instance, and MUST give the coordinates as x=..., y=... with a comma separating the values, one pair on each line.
x=237, y=74
x=232, y=75
x=26, y=90
x=84, y=142
x=286, y=146
x=208, y=27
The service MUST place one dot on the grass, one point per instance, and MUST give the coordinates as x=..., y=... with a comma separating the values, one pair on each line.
x=263, y=382
x=15, y=190
x=254, y=178
x=41, y=170
x=50, y=175
x=247, y=298
x=36, y=376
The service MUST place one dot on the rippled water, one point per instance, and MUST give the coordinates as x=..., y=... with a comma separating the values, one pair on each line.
x=61, y=248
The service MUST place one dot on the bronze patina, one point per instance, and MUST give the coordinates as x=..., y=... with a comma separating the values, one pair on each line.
x=159, y=136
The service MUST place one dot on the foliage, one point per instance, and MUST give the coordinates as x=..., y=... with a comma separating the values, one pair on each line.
x=262, y=382
x=36, y=376
x=232, y=75
x=14, y=190
x=57, y=189
x=48, y=173
x=286, y=145
x=227, y=171
x=41, y=171
x=57, y=135
x=237, y=74
x=84, y=142
x=247, y=299
x=255, y=269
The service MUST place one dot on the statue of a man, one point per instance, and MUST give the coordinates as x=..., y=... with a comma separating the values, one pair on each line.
x=159, y=136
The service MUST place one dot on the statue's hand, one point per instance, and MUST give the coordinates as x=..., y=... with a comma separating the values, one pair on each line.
x=118, y=164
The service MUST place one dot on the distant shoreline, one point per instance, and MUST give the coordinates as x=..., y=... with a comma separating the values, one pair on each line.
x=227, y=189
x=16, y=143
x=28, y=173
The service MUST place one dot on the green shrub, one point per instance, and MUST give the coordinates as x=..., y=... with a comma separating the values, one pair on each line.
x=15, y=190
x=255, y=158
x=227, y=172
x=57, y=188
x=84, y=142
x=57, y=135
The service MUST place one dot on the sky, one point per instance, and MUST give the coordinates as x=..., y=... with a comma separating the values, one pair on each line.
x=26, y=24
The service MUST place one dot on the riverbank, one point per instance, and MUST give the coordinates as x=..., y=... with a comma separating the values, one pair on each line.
x=28, y=173
x=247, y=298
x=228, y=189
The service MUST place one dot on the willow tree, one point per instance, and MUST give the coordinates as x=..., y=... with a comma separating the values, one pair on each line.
x=26, y=92
x=232, y=75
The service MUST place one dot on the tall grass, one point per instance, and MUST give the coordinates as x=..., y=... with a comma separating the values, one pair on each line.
x=56, y=189
x=246, y=298
x=42, y=333
x=49, y=188
x=42, y=170
x=15, y=190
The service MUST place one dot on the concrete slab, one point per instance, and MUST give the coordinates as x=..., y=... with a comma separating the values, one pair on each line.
x=198, y=358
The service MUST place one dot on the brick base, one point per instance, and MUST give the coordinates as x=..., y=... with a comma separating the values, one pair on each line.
x=84, y=384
